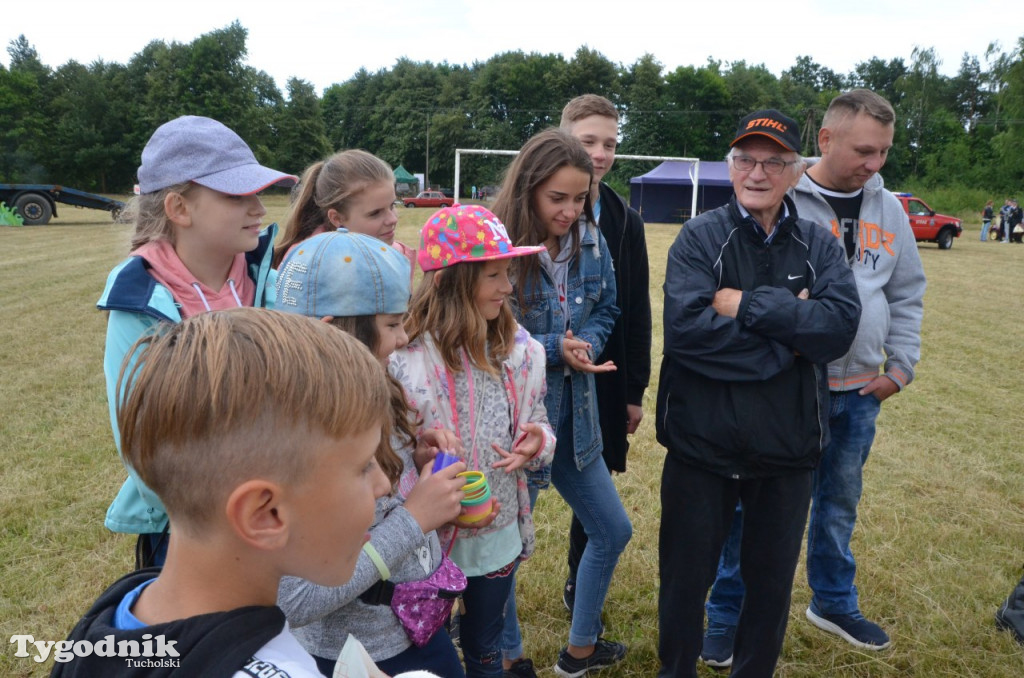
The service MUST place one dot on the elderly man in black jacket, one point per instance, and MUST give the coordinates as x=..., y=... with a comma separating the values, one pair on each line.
x=757, y=302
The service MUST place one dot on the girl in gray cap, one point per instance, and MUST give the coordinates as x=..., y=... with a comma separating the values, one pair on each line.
x=198, y=245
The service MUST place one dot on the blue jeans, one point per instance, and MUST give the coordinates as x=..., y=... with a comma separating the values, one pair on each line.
x=511, y=635
x=985, y=226
x=837, y=489
x=592, y=496
x=480, y=626
x=723, y=606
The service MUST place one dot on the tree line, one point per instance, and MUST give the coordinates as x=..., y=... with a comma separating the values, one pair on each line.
x=85, y=126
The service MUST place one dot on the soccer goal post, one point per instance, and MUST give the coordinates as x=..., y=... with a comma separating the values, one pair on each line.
x=694, y=170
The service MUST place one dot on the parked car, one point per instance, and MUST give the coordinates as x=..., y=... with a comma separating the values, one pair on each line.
x=927, y=224
x=428, y=199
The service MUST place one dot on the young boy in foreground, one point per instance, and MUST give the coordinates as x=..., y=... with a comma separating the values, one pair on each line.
x=257, y=430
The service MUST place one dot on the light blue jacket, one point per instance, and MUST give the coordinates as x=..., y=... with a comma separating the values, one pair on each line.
x=137, y=304
x=590, y=290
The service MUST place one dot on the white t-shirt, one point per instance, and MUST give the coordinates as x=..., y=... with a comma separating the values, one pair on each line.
x=281, y=657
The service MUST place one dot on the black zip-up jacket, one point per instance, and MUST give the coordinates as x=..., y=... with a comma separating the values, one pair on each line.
x=629, y=344
x=217, y=644
x=747, y=397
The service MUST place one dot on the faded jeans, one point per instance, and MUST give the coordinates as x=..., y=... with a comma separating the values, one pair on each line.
x=831, y=567
x=592, y=496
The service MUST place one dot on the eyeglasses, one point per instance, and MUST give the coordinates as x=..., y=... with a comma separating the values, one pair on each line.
x=745, y=163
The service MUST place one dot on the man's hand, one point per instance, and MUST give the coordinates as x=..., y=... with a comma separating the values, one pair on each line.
x=881, y=387
x=634, y=415
x=727, y=302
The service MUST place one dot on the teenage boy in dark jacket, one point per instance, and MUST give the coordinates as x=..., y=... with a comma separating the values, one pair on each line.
x=757, y=302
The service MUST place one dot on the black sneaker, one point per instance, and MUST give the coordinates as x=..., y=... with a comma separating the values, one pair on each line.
x=605, y=654
x=1010, y=615
x=569, y=595
x=521, y=668
x=717, y=648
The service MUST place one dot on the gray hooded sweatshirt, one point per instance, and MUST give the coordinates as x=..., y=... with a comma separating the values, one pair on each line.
x=890, y=282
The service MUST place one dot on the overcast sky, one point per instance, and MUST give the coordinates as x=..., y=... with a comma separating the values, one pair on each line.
x=327, y=42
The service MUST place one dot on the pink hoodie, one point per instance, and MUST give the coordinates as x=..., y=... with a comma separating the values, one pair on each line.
x=193, y=296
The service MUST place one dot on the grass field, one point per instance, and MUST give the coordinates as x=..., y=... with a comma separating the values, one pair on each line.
x=940, y=539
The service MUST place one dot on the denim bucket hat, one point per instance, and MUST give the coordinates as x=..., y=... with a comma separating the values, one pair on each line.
x=205, y=152
x=343, y=274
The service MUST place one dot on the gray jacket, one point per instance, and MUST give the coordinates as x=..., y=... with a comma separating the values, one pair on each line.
x=890, y=282
x=321, y=617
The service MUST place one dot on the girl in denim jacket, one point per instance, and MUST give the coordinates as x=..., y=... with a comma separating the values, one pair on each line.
x=566, y=300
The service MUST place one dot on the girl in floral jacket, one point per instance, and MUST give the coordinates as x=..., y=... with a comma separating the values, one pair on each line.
x=471, y=368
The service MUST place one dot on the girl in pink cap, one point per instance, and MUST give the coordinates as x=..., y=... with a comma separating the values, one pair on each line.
x=469, y=367
x=566, y=299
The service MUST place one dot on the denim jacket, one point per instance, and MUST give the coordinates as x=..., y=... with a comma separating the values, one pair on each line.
x=590, y=290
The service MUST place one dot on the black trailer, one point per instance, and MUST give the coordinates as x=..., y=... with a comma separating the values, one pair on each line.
x=36, y=203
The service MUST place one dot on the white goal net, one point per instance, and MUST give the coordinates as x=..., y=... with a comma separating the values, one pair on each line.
x=694, y=170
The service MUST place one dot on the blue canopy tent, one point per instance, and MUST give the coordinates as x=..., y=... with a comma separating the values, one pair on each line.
x=665, y=194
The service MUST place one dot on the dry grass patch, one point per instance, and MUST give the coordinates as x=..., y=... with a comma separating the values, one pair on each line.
x=939, y=542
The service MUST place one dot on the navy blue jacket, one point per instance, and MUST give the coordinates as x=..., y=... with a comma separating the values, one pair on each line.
x=747, y=397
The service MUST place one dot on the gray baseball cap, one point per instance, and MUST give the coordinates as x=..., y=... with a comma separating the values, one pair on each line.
x=343, y=274
x=205, y=152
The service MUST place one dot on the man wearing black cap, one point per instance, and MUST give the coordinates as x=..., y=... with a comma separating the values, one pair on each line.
x=757, y=302
x=844, y=194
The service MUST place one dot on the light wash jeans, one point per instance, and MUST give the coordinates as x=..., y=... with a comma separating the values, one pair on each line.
x=592, y=496
x=831, y=567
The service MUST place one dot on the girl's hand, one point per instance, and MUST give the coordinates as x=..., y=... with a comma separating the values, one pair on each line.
x=523, y=450
x=434, y=440
x=436, y=498
x=576, y=354
x=495, y=510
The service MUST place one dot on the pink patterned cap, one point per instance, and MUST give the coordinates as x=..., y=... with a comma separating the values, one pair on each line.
x=466, y=233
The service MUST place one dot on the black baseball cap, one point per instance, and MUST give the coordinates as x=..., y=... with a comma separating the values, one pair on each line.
x=772, y=124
